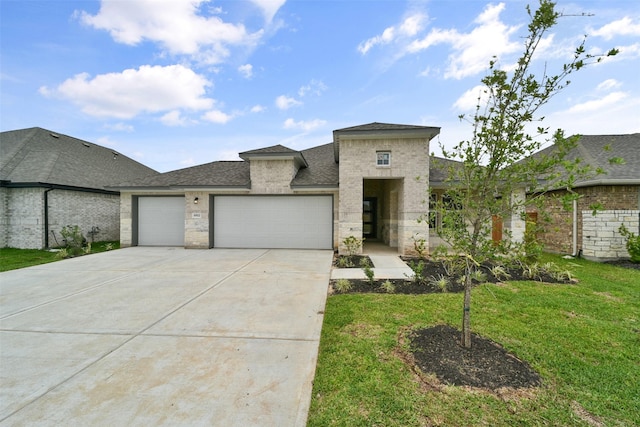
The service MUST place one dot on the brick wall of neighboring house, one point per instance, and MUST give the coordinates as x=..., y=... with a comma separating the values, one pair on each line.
x=558, y=233
x=4, y=219
x=24, y=218
x=23, y=215
x=86, y=210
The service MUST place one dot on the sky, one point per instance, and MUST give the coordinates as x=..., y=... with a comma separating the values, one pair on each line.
x=178, y=83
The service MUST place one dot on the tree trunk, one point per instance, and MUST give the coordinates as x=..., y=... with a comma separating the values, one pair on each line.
x=466, y=312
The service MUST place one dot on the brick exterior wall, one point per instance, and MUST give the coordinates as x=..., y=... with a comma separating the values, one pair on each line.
x=409, y=161
x=23, y=215
x=4, y=216
x=557, y=236
x=272, y=176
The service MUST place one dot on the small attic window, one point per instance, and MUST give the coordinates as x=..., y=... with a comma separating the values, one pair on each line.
x=383, y=158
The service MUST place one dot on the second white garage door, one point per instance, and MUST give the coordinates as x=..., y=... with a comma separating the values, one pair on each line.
x=301, y=222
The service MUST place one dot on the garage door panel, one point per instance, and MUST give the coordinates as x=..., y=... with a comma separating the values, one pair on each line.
x=303, y=222
x=161, y=221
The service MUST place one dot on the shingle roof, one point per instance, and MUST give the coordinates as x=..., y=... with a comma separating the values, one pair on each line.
x=214, y=174
x=439, y=169
x=37, y=155
x=599, y=150
x=376, y=126
x=274, y=149
x=322, y=170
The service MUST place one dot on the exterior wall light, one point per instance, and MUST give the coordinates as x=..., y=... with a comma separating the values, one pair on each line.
x=195, y=201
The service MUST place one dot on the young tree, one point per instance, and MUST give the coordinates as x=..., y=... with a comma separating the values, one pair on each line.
x=497, y=161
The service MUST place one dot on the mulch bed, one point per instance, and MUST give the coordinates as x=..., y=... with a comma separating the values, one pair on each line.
x=624, y=263
x=433, y=269
x=437, y=350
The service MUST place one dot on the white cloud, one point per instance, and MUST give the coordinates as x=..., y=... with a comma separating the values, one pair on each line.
x=472, y=51
x=469, y=100
x=269, y=7
x=599, y=104
x=304, y=125
x=217, y=116
x=178, y=26
x=246, y=71
x=173, y=118
x=257, y=109
x=622, y=27
x=315, y=87
x=120, y=127
x=284, y=102
x=409, y=27
x=129, y=93
x=608, y=84
x=188, y=162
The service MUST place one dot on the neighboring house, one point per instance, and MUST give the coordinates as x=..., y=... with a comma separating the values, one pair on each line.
x=49, y=180
x=616, y=193
x=363, y=183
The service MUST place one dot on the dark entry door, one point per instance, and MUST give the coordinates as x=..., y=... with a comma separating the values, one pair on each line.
x=369, y=215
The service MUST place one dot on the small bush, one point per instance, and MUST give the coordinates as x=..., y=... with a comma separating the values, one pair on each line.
x=388, y=286
x=364, y=262
x=353, y=244
x=344, y=262
x=418, y=268
x=74, y=241
x=343, y=285
x=500, y=273
x=368, y=271
x=441, y=282
x=633, y=243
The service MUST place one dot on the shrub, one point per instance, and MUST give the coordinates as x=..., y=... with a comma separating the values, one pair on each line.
x=368, y=271
x=441, y=282
x=342, y=285
x=388, y=286
x=74, y=241
x=633, y=243
x=353, y=244
x=420, y=246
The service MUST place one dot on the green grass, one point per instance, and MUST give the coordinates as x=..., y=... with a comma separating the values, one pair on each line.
x=12, y=259
x=584, y=340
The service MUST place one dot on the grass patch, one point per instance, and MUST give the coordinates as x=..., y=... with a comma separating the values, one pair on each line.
x=13, y=259
x=583, y=339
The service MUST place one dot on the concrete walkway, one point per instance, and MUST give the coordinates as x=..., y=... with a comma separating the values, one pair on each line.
x=162, y=336
x=386, y=265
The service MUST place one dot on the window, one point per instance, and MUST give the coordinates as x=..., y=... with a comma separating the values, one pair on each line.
x=383, y=158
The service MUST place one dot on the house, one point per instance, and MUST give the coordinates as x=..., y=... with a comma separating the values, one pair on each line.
x=49, y=180
x=363, y=183
x=585, y=230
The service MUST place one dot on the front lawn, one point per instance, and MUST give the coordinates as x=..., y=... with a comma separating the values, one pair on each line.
x=12, y=259
x=583, y=339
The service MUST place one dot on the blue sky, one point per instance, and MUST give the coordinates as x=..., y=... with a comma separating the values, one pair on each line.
x=178, y=83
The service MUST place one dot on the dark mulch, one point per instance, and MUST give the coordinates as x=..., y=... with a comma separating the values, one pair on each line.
x=436, y=350
x=434, y=269
x=625, y=263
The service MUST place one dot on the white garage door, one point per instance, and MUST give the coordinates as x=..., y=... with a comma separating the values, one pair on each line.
x=161, y=221
x=301, y=222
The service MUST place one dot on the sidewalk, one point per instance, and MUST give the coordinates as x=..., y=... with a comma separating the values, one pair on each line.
x=385, y=266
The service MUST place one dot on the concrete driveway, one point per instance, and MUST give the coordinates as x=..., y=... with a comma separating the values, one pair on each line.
x=163, y=336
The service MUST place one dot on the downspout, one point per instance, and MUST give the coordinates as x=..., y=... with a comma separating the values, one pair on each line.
x=575, y=228
x=46, y=218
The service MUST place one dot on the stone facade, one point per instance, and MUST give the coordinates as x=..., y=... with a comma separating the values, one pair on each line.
x=403, y=192
x=24, y=215
x=601, y=238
